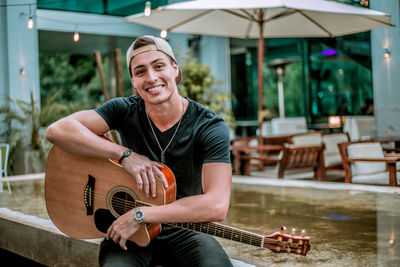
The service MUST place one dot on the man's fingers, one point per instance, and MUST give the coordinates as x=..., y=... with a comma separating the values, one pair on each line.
x=145, y=180
x=122, y=243
x=152, y=182
x=161, y=176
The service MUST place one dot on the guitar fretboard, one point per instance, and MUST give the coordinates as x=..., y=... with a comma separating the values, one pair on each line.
x=223, y=231
x=220, y=230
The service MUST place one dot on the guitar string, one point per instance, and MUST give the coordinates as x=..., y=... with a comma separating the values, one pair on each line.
x=244, y=237
x=122, y=204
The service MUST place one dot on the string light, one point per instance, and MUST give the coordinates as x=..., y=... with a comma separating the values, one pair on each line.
x=76, y=36
x=163, y=34
x=147, y=9
x=30, y=23
x=30, y=20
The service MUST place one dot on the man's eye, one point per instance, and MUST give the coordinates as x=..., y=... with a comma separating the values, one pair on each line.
x=159, y=66
x=139, y=72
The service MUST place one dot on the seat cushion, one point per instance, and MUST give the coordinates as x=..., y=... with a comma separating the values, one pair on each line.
x=366, y=150
x=310, y=139
x=283, y=126
x=331, y=141
x=332, y=159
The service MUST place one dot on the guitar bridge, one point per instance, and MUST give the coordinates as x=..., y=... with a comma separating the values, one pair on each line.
x=88, y=195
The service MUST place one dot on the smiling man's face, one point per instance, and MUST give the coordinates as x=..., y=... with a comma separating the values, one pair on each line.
x=153, y=76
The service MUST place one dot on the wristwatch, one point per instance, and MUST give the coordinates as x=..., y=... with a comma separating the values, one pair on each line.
x=126, y=154
x=138, y=215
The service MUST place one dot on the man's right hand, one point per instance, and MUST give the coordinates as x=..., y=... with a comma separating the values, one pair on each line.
x=145, y=172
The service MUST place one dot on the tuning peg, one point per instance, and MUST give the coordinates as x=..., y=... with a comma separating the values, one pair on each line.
x=303, y=232
x=283, y=229
x=293, y=231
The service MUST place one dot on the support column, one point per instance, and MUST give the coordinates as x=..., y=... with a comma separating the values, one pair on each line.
x=19, y=56
x=386, y=69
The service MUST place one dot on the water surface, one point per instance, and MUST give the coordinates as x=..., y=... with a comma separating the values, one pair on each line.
x=347, y=228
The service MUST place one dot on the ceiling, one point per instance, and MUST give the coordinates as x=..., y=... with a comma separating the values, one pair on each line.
x=62, y=42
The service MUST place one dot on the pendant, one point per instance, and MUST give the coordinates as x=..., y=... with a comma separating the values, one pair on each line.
x=162, y=158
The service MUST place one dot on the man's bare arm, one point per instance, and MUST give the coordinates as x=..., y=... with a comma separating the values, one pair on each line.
x=79, y=134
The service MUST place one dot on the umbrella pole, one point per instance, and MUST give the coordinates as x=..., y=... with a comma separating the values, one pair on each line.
x=260, y=74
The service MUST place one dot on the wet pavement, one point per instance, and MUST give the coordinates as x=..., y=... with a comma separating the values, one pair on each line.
x=347, y=227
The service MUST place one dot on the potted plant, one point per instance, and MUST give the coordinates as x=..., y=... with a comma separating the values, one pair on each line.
x=23, y=128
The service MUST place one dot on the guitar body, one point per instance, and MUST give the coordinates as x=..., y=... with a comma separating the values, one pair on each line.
x=84, y=195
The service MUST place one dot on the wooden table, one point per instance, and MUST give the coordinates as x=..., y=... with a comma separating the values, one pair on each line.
x=239, y=151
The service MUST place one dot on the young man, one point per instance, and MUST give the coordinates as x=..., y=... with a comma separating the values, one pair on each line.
x=158, y=126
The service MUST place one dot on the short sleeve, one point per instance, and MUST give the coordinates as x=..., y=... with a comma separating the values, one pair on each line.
x=215, y=141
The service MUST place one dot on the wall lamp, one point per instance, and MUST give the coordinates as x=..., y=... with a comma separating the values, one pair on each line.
x=22, y=71
x=386, y=52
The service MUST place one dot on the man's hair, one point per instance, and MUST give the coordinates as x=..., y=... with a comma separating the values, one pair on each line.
x=143, y=41
x=151, y=43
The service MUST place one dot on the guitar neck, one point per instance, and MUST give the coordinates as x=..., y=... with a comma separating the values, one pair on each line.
x=219, y=230
x=223, y=231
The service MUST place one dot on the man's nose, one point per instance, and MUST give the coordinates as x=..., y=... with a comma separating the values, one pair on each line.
x=151, y=75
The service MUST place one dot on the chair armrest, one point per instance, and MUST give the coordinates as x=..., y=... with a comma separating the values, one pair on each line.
x=385, y=159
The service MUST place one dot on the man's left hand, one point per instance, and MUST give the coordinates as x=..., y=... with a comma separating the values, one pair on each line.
x=122, y=228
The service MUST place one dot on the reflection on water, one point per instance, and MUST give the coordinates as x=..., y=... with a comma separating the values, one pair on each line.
x=347, y=228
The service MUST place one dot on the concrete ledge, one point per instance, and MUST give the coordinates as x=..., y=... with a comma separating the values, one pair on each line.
x=39, y=240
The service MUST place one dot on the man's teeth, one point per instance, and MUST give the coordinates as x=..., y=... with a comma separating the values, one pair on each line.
x=155, y=89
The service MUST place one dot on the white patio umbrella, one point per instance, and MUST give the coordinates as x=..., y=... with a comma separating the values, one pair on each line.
x=263, y=19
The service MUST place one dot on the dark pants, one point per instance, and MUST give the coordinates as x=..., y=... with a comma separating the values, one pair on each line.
x=173, y=247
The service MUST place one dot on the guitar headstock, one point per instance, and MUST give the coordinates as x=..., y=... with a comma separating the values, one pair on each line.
x=282, y=242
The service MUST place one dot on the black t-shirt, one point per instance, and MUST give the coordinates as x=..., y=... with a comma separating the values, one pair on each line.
x=202, y=137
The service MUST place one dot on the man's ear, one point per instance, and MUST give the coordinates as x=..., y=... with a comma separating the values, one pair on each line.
x=176, y=68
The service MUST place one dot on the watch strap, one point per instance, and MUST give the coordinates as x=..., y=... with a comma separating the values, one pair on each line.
x=127, y=153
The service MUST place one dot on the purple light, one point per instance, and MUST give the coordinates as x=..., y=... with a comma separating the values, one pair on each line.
x=329, y=52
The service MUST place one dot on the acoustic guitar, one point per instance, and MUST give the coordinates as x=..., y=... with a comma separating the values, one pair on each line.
x=84, y=195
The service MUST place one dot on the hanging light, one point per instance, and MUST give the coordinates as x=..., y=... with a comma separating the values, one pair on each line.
x=163, y=34
x=147, y=9
x=30, y=20
x=76, y=36
x=30, y=23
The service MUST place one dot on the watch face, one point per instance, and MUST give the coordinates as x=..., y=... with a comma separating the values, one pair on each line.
x=139, y=215
x=127, y=153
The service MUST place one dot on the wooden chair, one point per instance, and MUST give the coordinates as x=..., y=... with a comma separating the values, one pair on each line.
x=269, y=154
x=300, y=157
x=366, y=162
x=237, y=145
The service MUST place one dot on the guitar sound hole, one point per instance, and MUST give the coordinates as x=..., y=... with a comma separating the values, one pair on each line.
x=122, y=202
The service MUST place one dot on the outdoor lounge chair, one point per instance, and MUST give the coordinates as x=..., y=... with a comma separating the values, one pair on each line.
x=332, y=158
x=365, y=162
x=302, y=157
